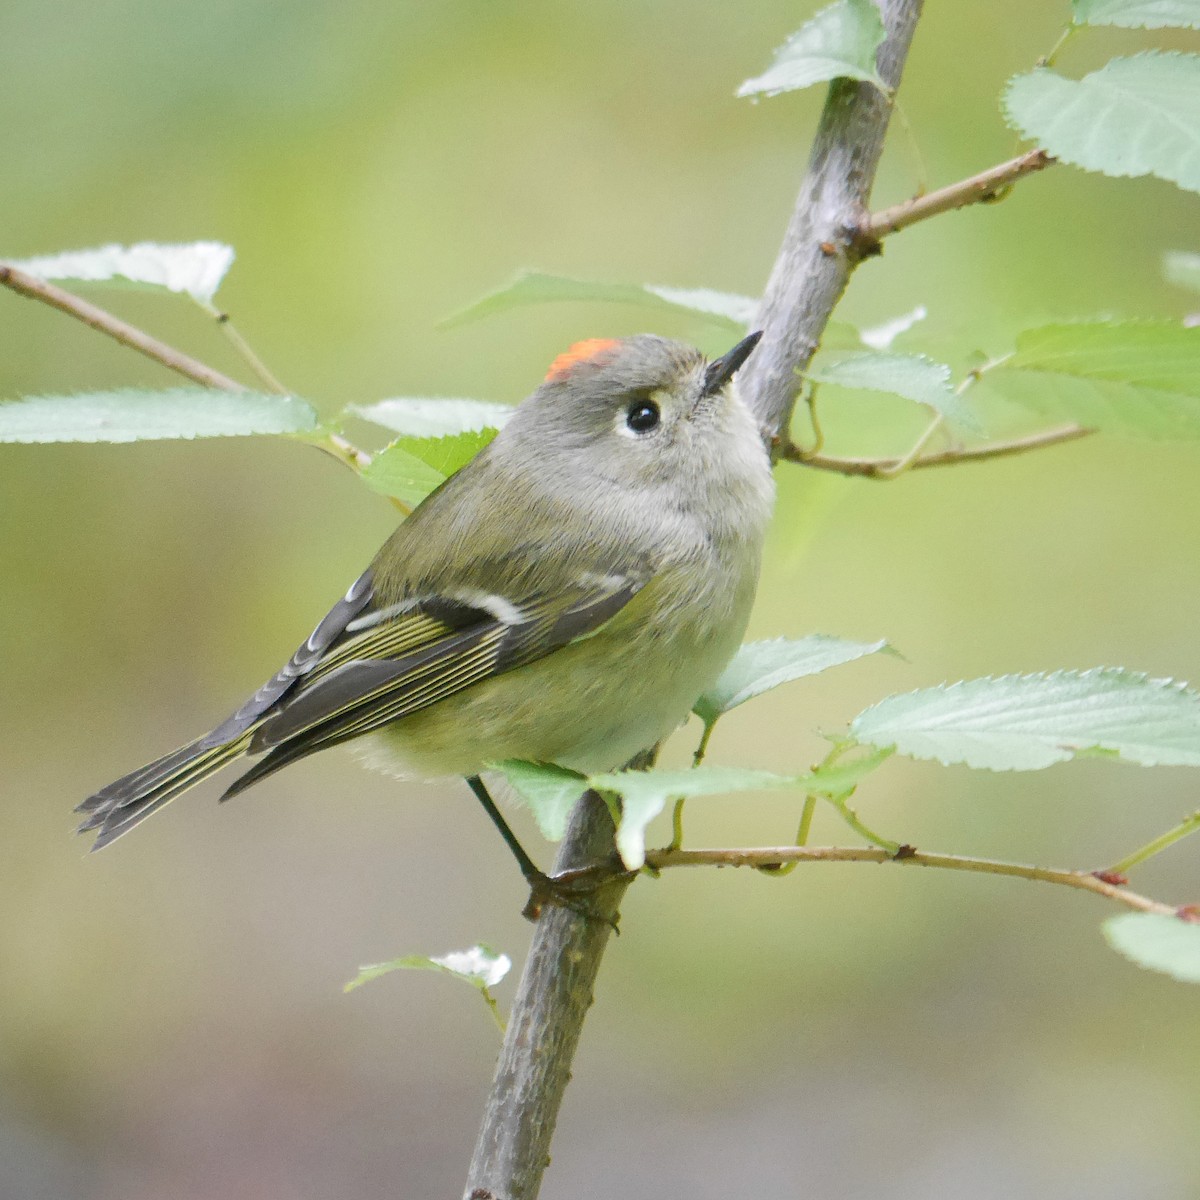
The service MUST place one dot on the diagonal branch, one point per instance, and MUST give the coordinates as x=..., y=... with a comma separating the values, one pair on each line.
x=809, y=276
x=121, y=331
x=822, y=246
x=104, y=322
x=546, y=1021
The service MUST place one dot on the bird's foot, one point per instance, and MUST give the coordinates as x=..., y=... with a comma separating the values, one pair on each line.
x=575, y=889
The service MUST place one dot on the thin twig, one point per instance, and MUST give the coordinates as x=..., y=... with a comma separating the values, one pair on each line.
x=352, y=456
x=243, y=348
x=121, y=331
x=881, y=468
x=1047, y=60
x=810, y=401
x=806, y=819
x=104, y=322
x=759, y=857
x=851, y=817
x=983, y=188
x=907, y=461
x=1150, y=849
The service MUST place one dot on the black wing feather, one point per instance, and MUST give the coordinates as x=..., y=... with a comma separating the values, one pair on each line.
x=331, y=628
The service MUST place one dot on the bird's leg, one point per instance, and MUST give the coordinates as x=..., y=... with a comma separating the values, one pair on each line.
x=566, y=889
x=528, y=868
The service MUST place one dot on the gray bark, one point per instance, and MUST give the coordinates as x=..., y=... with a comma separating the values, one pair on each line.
x=822, y=243
x=552, y=999
x=820, y=249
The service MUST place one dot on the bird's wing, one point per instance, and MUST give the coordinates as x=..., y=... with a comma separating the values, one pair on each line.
x=396, y=659
x=308, y=657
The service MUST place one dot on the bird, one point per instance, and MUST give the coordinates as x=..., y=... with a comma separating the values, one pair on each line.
x=566, y=597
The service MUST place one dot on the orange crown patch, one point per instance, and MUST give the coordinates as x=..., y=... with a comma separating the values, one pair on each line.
x=580, y=352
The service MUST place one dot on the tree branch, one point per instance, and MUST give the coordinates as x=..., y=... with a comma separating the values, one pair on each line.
x=984, y=188
x=553, y=997
x=822, y=244
x=809, y=276
x=881, y=468
x=175, y=360
x=1099, y=883
x=121, y=331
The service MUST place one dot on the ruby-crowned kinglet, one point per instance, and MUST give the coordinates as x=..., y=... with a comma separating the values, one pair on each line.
x=566, y=597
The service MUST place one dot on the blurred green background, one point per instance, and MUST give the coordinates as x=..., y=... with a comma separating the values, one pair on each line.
x=173, y=1022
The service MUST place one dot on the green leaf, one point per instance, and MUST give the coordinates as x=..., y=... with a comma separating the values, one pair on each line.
x=549, y=790
x=1158, y=942
x=134, y=415
x=1137, y=14
x=433, y=417
x=911, y=376
x=760, y=666
x=1182, y=268
x=194, y=268
x=1134, y=116
x=410, y=468
x=1138, y=377
x=396, y=472
x=535, y=287
x=480, y=966
x=1026, y=722
x=447, y=454
x=838, y=43
x=644, y=794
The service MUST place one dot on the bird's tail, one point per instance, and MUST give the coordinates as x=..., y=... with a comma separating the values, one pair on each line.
x=117, y=808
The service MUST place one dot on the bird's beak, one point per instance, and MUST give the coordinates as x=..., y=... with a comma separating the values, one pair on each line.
x=720, y=371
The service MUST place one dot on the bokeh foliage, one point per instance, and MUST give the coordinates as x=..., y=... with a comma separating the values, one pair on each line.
x=378, y=168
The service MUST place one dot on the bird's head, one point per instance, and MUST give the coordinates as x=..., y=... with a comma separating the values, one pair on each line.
x=640, y=411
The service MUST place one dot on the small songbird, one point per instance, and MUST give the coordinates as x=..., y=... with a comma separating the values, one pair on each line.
x=566, y=597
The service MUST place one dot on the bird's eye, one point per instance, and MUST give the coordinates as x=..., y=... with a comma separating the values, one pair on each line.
x=643, y=416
